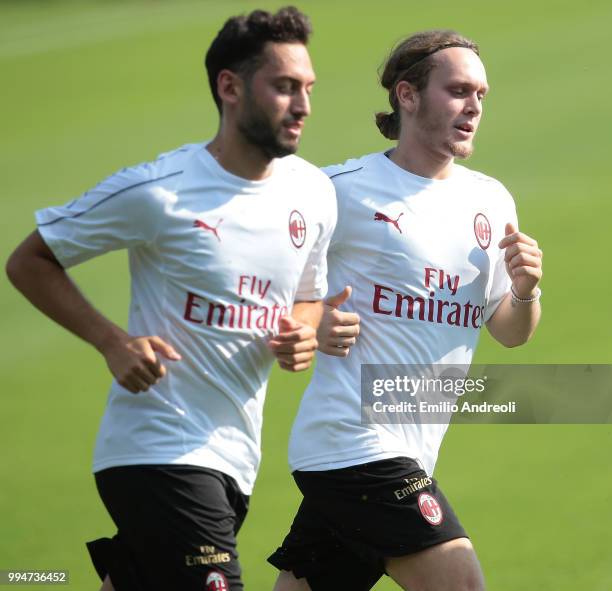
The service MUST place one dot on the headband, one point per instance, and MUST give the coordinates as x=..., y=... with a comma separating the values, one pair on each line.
x=442, y=47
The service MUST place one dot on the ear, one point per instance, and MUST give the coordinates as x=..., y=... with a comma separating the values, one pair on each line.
x=229, y=87
x=407, y=96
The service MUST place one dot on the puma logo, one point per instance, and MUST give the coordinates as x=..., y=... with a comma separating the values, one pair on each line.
x=205, y=226
x=381, y=217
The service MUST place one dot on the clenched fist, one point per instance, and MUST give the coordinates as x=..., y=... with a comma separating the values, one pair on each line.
x=295, y=345
x=523, y=261
x=338, y=330
x=134, y=363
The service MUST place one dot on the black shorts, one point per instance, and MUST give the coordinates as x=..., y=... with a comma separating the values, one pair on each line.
x=176, y=527
x=352, y=518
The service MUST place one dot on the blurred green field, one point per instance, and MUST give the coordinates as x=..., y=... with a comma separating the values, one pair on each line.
x=90, y=86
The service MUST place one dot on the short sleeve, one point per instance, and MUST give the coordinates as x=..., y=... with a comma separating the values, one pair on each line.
x=340, y=176
x=123, y=211
x=313, y=282
x=500, y=284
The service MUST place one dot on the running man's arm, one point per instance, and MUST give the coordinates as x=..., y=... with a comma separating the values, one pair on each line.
x=338, y=330
x=514, y=322
x=36, y=273
x=295, y=345
x=308, y=313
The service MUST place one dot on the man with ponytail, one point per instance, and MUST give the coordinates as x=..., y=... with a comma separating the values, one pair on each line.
x=432, y=252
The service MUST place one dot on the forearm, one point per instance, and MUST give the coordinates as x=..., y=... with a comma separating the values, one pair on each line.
x=308, y=312
x=43, y=281
x=514, y=323
x=295, y=344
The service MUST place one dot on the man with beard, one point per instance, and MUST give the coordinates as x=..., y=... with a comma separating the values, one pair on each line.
x=227, y=244
x=432, y=252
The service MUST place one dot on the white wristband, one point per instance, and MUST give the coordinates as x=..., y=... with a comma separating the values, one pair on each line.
x=534, y=298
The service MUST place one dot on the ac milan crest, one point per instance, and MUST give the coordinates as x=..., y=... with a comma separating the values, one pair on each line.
x=482, y=230
x=297, y=228
x=216, y=581
x=430, y=509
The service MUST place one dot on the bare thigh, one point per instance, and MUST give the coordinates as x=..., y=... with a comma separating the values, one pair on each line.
x=287, y=582
x=451, y=566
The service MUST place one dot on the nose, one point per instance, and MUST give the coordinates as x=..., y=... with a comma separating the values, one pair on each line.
x=300, y=106
x=473, y=105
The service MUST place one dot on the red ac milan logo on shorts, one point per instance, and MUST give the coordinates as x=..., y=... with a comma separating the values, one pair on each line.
x=430, y=509
x=297, y=228
x=216, y=581
x=482, y=229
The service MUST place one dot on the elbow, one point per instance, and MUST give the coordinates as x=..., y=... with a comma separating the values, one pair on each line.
x=29, y=261
x=20, y=267
x=513, y=344
x=515, y=340
x=511, y=335
x=12, y=269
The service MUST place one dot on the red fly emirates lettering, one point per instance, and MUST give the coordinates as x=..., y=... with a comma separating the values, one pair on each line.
x=389, y=302
x=199, y=310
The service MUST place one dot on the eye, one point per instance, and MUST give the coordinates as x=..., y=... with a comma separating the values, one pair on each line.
x=284, y=87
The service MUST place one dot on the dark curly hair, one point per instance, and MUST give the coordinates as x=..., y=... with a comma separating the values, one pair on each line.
x=239, y=44
x=411, y=61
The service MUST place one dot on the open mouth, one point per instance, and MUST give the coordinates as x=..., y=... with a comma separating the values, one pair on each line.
x=295, y=127
x=465, y=127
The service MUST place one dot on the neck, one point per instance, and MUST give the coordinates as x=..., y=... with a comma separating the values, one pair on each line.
x=238, y=156
x=412, y=156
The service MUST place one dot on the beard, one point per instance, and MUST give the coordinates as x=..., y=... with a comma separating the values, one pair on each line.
x=256, y=127
x=431, y=126
x=460, y=150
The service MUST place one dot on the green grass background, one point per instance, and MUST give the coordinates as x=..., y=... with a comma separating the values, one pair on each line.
x=90, y=86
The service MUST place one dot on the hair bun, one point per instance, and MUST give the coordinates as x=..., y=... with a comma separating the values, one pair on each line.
x=388, y=124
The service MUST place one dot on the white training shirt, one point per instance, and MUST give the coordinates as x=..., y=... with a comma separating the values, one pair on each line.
x=401, y=236
x=215, y=261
